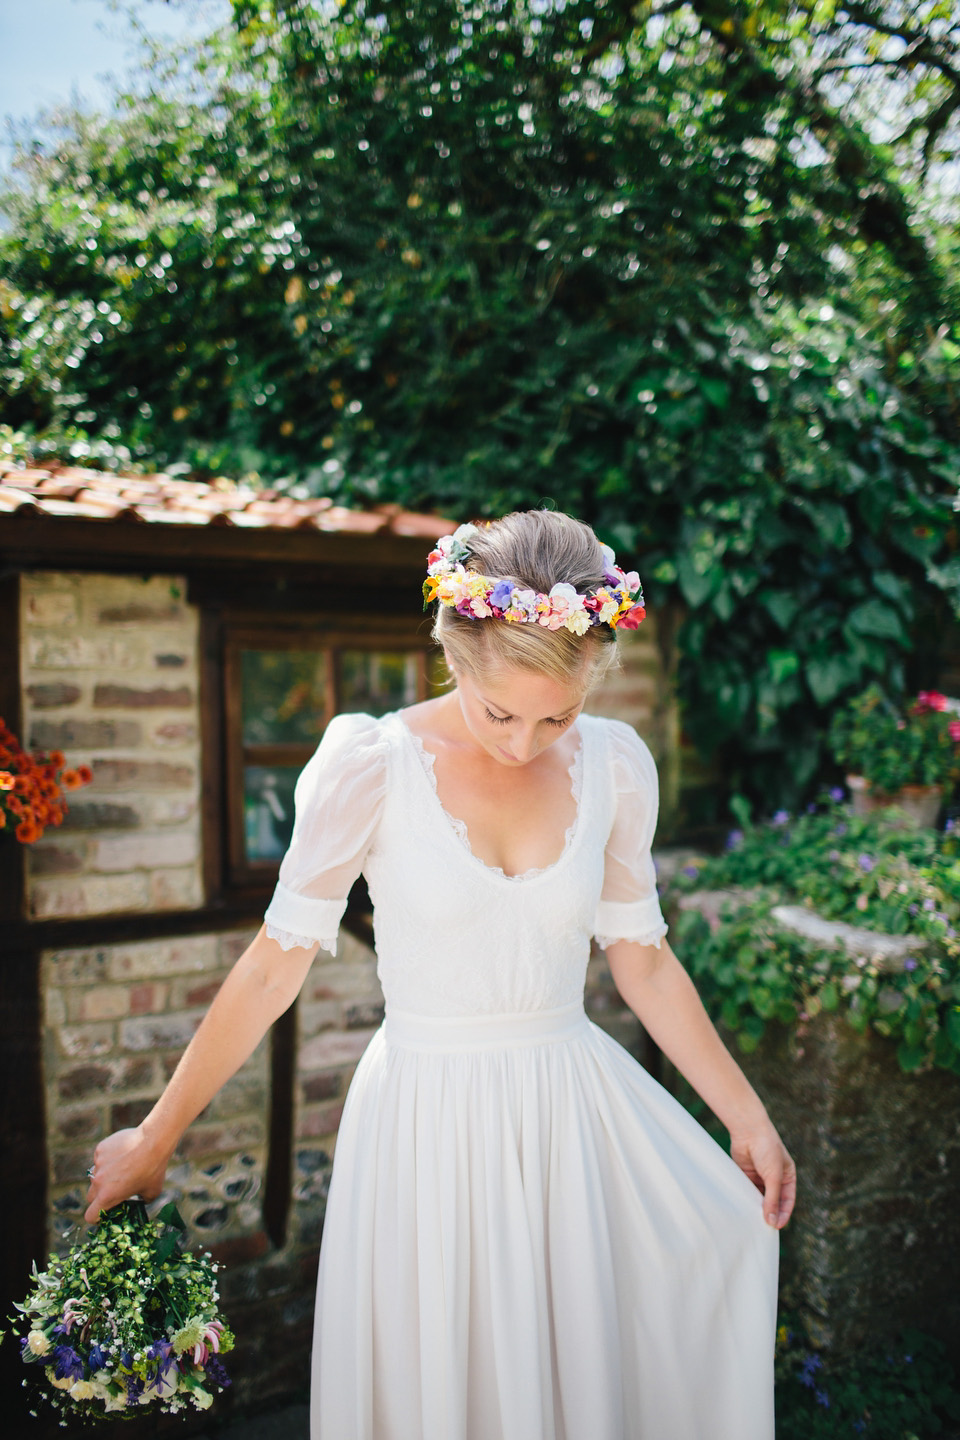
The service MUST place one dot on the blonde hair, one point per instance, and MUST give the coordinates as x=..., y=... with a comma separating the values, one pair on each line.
x=535, y=549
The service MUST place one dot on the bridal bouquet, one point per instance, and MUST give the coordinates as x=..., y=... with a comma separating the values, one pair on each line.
x=127, y=1318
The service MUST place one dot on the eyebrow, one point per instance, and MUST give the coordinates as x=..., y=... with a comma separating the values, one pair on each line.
x=493, y=705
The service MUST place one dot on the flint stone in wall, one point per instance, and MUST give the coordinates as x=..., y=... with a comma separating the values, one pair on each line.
x=126, y=697
x=84, y=734
x=56, y=693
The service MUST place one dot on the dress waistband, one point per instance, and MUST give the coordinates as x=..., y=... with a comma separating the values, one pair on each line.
x=482, y=1032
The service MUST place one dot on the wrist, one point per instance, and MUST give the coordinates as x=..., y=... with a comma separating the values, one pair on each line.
x=747, y=1117
x=157, y=1138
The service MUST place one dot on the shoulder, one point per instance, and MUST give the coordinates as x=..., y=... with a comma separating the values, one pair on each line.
x=628, y=753
x=353, y=740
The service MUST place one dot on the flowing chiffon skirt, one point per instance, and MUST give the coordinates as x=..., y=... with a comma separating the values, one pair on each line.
x=527, y=1238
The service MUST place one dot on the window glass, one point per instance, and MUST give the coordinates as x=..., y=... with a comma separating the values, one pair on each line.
x=268, y=810
x=283, y=696
x=376, y=681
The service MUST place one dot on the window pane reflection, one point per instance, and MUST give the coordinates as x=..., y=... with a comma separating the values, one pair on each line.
x=376, y=681
x=283, y=695
x=268, y=809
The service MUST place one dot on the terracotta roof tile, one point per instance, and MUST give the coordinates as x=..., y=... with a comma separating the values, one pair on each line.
x=12, y=499
x=74, y=492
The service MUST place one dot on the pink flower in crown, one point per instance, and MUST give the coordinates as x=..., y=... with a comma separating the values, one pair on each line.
x=563, y=604
x=480, y=608
x=454, y=587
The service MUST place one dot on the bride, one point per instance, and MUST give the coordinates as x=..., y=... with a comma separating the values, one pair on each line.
x=526, y=1237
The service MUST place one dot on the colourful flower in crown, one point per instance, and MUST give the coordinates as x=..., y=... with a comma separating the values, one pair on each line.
x=617, y=603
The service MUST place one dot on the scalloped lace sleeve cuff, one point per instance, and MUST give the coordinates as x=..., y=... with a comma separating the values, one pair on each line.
x=294, y=919
x=286, y=941
x=637, y=920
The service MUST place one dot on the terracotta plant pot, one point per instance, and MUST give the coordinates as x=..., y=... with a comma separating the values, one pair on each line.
x=920, y=804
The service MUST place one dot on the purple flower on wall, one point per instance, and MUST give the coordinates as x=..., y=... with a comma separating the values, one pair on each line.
x=866, y=863
x=781, y=817
x=836, y=794
x=909, y=963
x=734, y=839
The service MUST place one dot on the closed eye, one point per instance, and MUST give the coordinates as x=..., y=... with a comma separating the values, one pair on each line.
x=505, y=719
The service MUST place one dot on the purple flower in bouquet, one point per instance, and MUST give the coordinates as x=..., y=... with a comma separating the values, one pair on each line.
x=216, y=1371
x=162, y=1357
x=97, y=1358
x=67, y=1363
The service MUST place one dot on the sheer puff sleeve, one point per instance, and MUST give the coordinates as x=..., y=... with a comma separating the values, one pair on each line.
x=339, y=798
x=629, y=908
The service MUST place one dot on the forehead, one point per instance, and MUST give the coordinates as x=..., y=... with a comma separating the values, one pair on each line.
x=528, y=695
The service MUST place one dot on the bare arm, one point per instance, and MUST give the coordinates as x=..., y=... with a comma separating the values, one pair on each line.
x=661, y=994
x=263, y=983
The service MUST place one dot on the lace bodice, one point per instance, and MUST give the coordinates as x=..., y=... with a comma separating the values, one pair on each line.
x=455, y=936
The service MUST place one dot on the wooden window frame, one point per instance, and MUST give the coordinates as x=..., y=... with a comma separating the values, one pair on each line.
x=229, y=876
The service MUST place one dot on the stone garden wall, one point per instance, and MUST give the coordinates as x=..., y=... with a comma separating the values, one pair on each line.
x=872, y=1246
x=109, y=676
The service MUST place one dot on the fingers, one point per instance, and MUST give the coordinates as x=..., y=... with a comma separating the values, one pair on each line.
x=771, y=1195
x=779, y=1189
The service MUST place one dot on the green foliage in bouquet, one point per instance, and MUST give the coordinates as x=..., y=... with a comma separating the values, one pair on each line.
x=865, y=870
x=870, y=737
x=126, y=1319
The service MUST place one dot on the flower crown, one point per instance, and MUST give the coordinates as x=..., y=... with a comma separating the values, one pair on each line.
x=618, y=603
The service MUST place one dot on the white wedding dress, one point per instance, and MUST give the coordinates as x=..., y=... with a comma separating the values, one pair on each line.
x=526, y=1237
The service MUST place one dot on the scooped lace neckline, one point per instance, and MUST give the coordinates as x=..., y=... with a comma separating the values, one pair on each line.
x=459, y=827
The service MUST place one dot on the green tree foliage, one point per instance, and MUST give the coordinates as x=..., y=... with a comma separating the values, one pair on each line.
x=652, y=263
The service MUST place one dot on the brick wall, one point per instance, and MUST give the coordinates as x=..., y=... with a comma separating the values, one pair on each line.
x=109, y=675
x=117, y=1019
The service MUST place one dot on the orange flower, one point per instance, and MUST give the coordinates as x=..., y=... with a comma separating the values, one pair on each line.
x=85, y=773
x=70, y=780
x=58, y=759
x=15, y=806
x=6, y=780
x=26, y=832
x=21, y=785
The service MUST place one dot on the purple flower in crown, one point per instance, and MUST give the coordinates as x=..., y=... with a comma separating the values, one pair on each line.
x=500, y=595
x=611, y=570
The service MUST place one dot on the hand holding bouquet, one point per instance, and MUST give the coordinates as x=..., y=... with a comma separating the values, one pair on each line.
x=127, y=1318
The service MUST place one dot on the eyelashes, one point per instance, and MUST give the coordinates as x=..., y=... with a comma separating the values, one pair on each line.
x=505, y=719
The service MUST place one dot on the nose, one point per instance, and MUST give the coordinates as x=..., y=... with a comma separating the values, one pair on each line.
x=524, y=745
